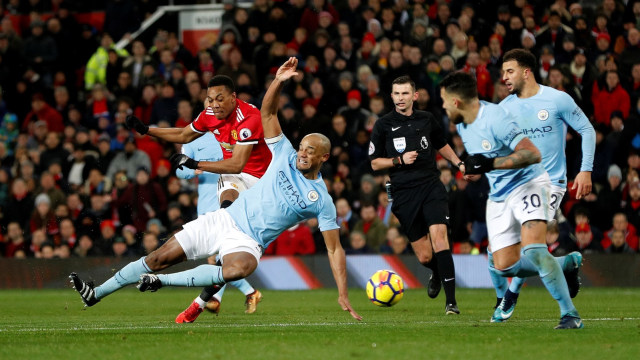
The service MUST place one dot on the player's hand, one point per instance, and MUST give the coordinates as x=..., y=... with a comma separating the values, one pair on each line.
x=409, y=158
x=132, y=122
x=478, y=164
x=346, y=306
x=180, y=160
x=472, y=177
x=287, y=70
x=583, y=184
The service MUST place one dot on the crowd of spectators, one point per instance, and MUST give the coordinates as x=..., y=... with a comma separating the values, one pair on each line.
x=75, y=182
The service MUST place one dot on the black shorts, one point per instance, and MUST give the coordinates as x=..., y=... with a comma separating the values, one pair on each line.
x=419, y=207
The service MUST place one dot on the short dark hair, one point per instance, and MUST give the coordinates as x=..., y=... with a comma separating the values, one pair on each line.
x=461, y=84
x=223, y=80
x=404, y=79
x=523, y=57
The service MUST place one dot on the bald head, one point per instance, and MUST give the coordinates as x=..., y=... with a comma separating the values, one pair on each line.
x=322, y=142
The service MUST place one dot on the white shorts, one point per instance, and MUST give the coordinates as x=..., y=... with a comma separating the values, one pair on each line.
x=215, y=233
x=528, y=202
x=239, y=182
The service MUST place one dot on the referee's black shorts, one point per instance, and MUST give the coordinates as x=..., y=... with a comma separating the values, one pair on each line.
x=419, y=207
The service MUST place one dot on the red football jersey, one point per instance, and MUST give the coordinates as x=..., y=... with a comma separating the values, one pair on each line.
x=243, y=127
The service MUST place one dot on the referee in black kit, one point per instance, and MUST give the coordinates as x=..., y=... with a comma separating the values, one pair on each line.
x=405, y=141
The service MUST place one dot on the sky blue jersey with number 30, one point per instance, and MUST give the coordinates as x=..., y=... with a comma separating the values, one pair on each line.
x=495, y=133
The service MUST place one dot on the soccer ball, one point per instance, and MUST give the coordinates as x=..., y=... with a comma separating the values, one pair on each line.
x=385, y=288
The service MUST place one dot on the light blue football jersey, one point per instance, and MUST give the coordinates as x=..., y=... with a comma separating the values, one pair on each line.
x=544, y=118
x=282, y=198
x=204, y=148
x=495, y=133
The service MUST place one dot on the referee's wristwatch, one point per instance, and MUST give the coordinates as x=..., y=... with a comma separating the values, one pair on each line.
x=460, y=163
x=396, y=161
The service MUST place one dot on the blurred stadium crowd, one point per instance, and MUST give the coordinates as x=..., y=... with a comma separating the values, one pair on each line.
x=75, y=182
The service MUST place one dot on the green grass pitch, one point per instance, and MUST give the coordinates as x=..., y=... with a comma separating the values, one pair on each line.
x=51, y=324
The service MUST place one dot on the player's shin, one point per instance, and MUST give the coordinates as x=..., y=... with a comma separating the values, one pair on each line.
x=500, y=283
x=551, y=276
x=203, y=275
x=130, y=274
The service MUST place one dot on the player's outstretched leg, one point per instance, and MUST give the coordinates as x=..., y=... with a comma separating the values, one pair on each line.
x=130, y=274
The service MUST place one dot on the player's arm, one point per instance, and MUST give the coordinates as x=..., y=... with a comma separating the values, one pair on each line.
x=233, y=165
x=575, y=117
x=448, y=153
x=338, y=263
x=524, y=154
x=175, y=135
x=269, y=109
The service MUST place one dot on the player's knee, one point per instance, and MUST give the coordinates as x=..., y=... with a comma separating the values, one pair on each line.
x=238, y=269
x=424, y=258
x=154, y=261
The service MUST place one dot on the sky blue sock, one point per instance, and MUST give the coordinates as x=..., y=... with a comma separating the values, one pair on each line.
x=521, y=268
x=499, y=282
x=517, y=282
x=203, y=275
x=243, y=285
x=220, y=292
x=130, y=274
x=551, y=275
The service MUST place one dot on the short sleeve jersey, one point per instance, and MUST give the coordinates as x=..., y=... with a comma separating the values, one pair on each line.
x=242, y=127
x=395, y=134
x=544, y=118
x=495, y=133
x=282, y=198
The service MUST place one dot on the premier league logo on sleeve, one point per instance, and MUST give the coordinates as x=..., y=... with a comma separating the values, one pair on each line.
x=245, y=134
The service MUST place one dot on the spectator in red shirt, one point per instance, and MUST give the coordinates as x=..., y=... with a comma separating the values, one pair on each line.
x=474, y=67
x=40, y=110
x=609, y=97
x=620, y=223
